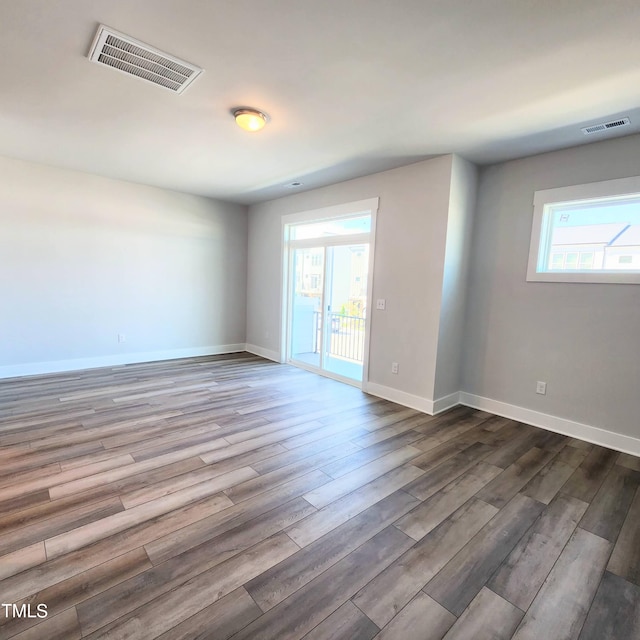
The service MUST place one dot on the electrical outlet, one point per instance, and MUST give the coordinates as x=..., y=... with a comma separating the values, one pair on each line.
x=541, y=388
x=122, y=337
x=381, y=304
x=395, y=367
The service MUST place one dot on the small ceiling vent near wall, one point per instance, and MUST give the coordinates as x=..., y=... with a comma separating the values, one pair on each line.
x=130, y=56
x=605, y=126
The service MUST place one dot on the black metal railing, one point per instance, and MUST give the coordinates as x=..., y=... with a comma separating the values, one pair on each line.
x=345, y=337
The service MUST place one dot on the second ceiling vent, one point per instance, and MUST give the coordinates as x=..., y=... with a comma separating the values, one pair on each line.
x=606, y=126
x=130, y=56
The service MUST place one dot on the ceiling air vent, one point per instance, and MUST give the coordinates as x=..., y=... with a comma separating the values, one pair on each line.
x=130, y=56
x=604, y=126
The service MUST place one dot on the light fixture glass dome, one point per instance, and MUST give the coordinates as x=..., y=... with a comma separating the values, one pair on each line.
x=250, y=119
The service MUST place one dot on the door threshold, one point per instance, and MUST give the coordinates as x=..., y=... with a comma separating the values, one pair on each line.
x=326, y=374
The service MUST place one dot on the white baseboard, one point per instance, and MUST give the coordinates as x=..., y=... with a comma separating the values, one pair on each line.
x=58, y=366
x=262, y=352
x=446, y=402
x=588, y=433
x=401, y=397
x=595, y=435
x=426, y=405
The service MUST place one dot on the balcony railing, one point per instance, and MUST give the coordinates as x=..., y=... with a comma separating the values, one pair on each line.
x=345, y=337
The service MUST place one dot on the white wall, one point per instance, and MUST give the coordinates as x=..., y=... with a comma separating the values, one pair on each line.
x=84, y=258
x=582, y=339
x=409, y=266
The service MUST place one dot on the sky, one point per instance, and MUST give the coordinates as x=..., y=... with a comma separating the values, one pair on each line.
x=573, y=215
x=333, y=227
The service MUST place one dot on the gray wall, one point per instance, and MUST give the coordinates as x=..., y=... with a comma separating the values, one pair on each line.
x=84, y=258
x=409, y=264
x=582, y=339
x=462, y=202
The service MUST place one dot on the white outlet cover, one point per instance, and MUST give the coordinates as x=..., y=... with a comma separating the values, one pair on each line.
x=381, y=304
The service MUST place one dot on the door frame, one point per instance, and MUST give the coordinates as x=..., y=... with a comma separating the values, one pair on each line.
x=346, y=210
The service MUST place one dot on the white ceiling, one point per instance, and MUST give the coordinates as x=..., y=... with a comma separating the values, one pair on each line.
x=352, y=86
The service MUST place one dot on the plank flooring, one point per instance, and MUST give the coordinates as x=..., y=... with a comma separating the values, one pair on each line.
x=232, y=498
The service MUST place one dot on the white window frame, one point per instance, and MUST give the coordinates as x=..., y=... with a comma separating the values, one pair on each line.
x=622, y=187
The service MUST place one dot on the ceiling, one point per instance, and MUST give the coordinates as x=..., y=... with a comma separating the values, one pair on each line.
x=352, y=86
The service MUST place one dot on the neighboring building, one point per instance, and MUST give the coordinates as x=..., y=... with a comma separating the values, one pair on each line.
x=624, y=251
x=348, y=293
x=595, y=246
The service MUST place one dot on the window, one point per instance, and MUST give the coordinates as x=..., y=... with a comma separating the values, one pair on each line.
x=586, y=261
x=587, y=233
x=336, y=227
x=571, y=261
x=557, y=261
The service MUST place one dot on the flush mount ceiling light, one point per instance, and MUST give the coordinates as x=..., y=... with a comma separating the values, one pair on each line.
x=250, y=119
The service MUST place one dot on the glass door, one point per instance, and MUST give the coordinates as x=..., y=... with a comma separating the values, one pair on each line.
x=307, y=296
x=326, y=302
x=345, y=309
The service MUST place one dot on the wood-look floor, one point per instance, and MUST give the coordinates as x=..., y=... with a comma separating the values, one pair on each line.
x=230, y=497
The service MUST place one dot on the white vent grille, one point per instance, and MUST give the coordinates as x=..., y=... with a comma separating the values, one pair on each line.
x=138, y=59
x=605, y=126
